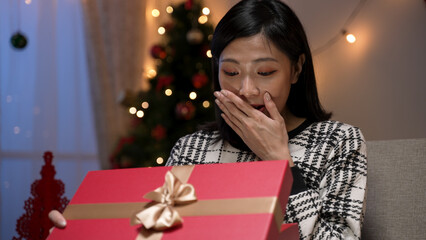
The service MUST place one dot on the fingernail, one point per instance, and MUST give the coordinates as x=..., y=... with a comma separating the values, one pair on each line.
x=216, y=94
x=63, y=223
x=267, y=96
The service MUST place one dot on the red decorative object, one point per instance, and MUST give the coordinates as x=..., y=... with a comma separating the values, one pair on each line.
x=185, y=111
x=164, y=81
x=199, y=80
x=159, y=132
x=46, y=196
x=188, y=4
x=158, y=52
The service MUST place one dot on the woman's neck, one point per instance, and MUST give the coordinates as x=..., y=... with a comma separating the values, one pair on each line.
x=291, y=121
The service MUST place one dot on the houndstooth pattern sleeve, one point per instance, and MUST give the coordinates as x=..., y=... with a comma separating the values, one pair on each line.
x=201, y=147
x=176, y=157
x=336, y=175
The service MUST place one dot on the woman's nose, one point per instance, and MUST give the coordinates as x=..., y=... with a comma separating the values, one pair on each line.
x=248, y=87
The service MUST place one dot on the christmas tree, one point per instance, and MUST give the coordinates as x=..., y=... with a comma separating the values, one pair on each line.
x=180, y=95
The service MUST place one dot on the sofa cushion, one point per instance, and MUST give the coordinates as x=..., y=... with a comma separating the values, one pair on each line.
x=396, y=190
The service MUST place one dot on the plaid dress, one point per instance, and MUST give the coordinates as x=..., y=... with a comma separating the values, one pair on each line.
x=332, y=161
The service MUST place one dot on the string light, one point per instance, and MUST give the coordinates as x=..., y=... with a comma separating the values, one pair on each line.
x=140, y=114
x=160, y=160
x=206, y=104
x=132, y=110
x=193, y=95
x=203, y=19
x=342, y=32
x=145, y=105
x=168, y=92
x=350, y=38
x=206, y=11
x=151, y=73
x=28, y=2
x=209, y=53
x=155, y=13
x=169, y=9
x=161, y=30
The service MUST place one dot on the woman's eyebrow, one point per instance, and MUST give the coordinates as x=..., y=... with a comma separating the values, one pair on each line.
x=230, y=60
x=255, y=61
x=265, y=60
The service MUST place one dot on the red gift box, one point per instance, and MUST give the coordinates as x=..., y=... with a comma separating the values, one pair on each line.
x=234, y=201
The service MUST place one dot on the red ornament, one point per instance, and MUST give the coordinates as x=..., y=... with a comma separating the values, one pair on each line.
x=188, y=4
x=164, y=81
x=159, y=132
x=199, y=80
x=46, y=196
x=185, y=111
x=158, y=52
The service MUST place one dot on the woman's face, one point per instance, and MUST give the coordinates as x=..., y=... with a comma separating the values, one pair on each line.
x=251, y=66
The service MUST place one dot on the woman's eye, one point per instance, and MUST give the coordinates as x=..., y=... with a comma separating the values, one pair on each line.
x=230, y=73
x=266, y=73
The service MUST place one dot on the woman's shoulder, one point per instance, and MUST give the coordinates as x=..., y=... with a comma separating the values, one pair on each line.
x=330, y=130
x=204, y=135
x=336, y=129
x=333, y=126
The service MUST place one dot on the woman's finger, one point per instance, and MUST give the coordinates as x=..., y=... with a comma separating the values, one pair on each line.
x=57, y=219
x=271, y=107
x=239, y=103
x=230, y=110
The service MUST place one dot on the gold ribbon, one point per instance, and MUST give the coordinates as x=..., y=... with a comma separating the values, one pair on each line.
x=162, y=214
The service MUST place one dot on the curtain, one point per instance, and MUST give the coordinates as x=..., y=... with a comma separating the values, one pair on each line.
x=115, y=44
x=45, y=101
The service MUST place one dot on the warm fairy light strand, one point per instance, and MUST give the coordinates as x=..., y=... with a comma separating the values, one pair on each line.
x=193, y=95
x=209, y=53
x=155, y=13
x=206, y=11
x=342, y=32
x=161, y=30
x=169, y=9
x=145, y=105
x=206, y=104
x=350, y=38
x=140, y=114
x=203, y=19
x=160, y=160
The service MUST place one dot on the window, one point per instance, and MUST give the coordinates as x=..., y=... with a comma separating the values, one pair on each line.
x=44, y=102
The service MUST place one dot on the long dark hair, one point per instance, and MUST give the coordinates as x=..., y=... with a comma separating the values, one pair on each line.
x=280, y=25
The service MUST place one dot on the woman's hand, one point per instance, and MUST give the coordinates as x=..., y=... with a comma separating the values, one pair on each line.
x=266, y=136
x=57, y=219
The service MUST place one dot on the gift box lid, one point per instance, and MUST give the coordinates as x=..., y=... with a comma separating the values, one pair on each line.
x=219, y=183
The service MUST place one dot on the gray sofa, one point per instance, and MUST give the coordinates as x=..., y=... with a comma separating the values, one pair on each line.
x=396, y=190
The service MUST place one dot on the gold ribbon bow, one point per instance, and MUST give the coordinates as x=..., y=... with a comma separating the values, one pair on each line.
x=161, y=214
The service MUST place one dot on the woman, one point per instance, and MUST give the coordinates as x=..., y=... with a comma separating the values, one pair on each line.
x=268, y=109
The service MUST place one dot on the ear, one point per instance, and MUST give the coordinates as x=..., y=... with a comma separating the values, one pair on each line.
x=298, y=68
